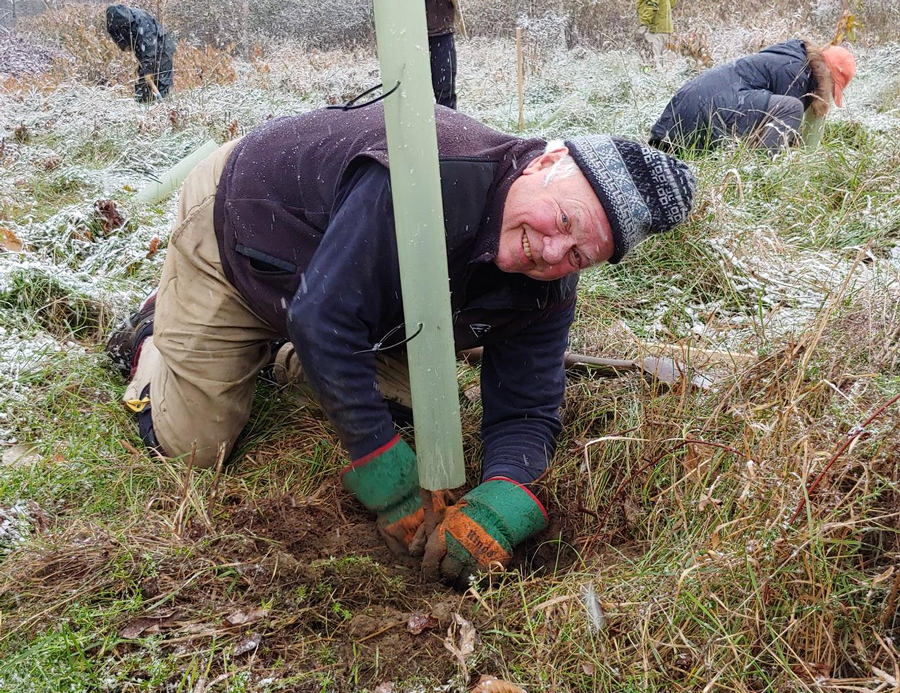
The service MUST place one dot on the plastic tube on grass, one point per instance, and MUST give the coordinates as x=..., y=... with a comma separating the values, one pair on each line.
x=172, y=179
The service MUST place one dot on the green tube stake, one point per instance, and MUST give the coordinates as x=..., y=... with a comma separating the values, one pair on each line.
x=170, y=180
x=419, y=219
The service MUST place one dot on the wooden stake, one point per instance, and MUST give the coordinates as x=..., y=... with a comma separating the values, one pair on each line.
x=520, y=62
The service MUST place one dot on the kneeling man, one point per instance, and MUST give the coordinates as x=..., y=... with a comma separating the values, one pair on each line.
x=288, y=233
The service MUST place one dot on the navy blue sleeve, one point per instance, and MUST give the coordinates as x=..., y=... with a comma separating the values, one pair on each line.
x=351, y=286
x=522, y=385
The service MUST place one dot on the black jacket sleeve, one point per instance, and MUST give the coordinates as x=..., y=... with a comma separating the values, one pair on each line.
x=350, y=288
x=145, y=36
x=522, y=385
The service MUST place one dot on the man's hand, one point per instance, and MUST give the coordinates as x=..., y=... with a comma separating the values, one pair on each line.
x=387, y=482
x=148, y=78
x=480, y=532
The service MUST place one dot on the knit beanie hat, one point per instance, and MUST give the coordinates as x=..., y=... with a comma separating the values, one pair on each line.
x=842, y=66
x=643, y=191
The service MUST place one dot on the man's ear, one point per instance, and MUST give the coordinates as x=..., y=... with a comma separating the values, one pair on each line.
x=545, y=160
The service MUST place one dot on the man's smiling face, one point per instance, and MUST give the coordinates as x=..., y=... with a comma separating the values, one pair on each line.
x=549, y=231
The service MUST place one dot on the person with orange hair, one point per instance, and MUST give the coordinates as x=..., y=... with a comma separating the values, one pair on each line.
x=761, y=97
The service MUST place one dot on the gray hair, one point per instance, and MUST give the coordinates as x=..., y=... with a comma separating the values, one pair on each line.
x=564, y=168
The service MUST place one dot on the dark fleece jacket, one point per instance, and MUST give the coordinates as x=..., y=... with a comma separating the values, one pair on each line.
x=304, y=219
x=731, y=99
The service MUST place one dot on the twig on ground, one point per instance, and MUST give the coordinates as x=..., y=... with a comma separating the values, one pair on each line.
x=220, y=461
x=889, y=612
x=182, y=504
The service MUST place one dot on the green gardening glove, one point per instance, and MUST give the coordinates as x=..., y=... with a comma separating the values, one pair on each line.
x=481, y=530
x=386, y=481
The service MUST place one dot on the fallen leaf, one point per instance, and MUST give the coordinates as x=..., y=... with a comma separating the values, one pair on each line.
x=811, y=672
x=589, y=669
x=418, y=622
x=593, y=607
x=706, y=501
x=154, y=246
x=883, y=576
x=473, y=393
x=460, y=641
x=9, y=241
x=146, y=625
x=491, y=684
x=109, y=215
x=19, y=456
x=384, y=688
x=247, y=645
x=696, y=459
x=240, y=617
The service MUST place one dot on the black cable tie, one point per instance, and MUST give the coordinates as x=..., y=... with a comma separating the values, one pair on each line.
x=379, y=346
x=351, y=104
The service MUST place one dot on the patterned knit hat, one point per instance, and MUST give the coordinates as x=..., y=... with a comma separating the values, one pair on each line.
x=642, y=190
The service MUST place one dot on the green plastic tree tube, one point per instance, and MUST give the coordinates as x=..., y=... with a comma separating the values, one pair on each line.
x=170, y=180
x=419, y=217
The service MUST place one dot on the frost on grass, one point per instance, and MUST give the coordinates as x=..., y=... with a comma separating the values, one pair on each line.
x=16, y=522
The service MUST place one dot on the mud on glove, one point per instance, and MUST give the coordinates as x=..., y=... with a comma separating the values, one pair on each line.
x=481, y=530
x=386, y=481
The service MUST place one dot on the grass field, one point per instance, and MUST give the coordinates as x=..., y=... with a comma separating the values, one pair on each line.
x=686, y=552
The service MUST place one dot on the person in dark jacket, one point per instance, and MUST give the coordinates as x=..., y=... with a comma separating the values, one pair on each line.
x=137, y=31
x=760, y=96
x=441, y=18
x=288, y=233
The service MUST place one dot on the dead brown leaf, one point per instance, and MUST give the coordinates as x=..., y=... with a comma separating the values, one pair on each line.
x=384, y=688
x=418, y=622
x=154, y=246
x=460, y=641
x=108, y=214
x=696, y=459
x=146, y=625
x=491, y=684
x=811, y=672
x=9, y=241
x=247, y=645
x=51, y=163
x=707, y=501
x=241, y=617
x=883, y=576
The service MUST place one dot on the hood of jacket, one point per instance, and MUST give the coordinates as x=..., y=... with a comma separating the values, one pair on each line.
x=118, y=25
x=823, y=87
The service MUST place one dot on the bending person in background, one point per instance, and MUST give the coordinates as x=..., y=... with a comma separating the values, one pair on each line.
x=655, y=24
x=137, y=31
x=441, y=16
x=761, y=97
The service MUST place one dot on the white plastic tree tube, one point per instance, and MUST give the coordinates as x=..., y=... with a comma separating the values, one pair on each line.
x=172, y=179
x=419, y=218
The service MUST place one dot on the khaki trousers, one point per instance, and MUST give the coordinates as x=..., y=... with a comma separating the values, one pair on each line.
x=208, y=346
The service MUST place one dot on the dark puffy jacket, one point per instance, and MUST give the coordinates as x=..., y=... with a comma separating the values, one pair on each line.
x=304, y=220
x=731, y=100
x=137, y=31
